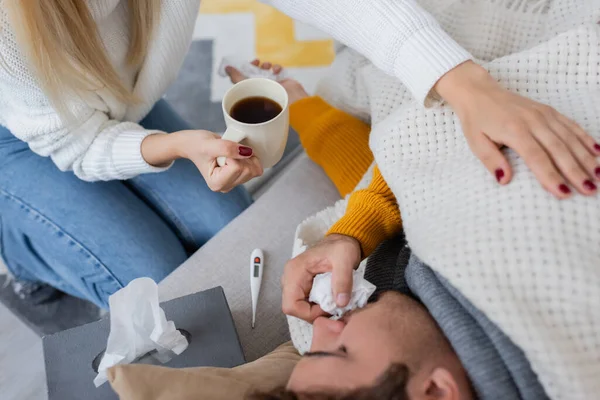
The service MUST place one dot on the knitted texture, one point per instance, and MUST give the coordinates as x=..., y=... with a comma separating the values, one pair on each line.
x=397, y=35
x=383, y=270
x=104, y=140
x=528, y=261
x=336, y=141
x=372, y=215
x=496, y=367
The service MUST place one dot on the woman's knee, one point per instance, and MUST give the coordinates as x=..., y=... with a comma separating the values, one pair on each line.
x=232, y=204
x=91, y=262
x=154, y=262
x=154, y=259
x=181, y=196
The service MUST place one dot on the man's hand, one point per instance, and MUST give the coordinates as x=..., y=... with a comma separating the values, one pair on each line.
x=557, y=150
x=337, y=254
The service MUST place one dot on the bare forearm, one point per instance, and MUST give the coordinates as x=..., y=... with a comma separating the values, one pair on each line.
x=454, y=87
x=161, y=149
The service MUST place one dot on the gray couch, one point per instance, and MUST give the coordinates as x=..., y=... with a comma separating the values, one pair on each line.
x=294, y=194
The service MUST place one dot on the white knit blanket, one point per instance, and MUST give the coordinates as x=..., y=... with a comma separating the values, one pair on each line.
x=531, y=263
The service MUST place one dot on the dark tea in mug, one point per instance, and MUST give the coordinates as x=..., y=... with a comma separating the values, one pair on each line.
x=255, y=110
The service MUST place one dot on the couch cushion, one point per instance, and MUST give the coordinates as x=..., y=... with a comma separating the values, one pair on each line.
x=270, y=223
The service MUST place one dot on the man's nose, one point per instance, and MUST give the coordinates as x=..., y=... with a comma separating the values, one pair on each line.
x=326, y=333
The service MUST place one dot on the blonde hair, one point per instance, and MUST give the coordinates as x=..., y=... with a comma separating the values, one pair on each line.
x=64, y=50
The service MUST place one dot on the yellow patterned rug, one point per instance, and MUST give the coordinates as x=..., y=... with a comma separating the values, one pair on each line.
x=250, y=29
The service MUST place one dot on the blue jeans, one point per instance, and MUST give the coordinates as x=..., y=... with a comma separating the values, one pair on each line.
x=91, y=239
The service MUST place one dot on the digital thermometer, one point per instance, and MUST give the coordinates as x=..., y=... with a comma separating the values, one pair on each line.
x=256, y=272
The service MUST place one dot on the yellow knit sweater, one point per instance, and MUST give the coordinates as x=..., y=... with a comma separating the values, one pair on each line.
x=339, y=143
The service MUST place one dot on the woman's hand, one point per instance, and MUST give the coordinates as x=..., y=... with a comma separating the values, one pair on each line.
x=203, y=148
x=558, y=151
x=337, y=254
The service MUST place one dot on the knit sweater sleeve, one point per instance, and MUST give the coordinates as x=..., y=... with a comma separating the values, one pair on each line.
x=398, y=36
x=89, y=143
x=335, y=140
x=372, y=215
x=339, y=143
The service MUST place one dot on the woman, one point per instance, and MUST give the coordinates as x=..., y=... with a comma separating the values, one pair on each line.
x=81, y=86
x=81, y=83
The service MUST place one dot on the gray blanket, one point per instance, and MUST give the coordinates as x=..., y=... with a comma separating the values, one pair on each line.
x=497, y=368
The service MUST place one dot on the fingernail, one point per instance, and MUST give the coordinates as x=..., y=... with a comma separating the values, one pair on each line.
x=499, y=174
x=597, y=147
x=589, y=185
x=564, y=188
x=597, y=172
x=245, y=151
x=342, y=299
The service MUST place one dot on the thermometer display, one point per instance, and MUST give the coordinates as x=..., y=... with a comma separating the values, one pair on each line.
x=257, y=262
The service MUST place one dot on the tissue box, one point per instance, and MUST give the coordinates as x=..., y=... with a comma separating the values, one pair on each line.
x=205, y=316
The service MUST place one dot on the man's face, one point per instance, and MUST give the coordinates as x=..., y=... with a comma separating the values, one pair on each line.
x=355, y=351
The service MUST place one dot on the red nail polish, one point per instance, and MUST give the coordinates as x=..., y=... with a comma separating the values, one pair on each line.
x=564, y=188
x=589, y=185
x=499, y=174
x=597, y=172
x=597, y=147
x=245, y=151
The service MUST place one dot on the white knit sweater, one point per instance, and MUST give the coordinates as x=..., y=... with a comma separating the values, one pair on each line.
x=530, y=262
x=104, y=142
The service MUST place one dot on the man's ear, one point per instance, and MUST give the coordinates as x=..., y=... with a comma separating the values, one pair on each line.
x=440, y=385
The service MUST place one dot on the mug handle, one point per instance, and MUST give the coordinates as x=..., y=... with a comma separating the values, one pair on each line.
x=233, y=135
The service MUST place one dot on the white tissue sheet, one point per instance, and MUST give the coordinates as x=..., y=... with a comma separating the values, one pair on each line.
x=137, y=326
x=249, y=70
x=322, y=293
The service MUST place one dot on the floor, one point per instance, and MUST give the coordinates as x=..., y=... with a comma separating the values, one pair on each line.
x=244, y=28
x=20, y=380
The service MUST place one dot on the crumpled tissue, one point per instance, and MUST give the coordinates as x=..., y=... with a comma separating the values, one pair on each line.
x=138, y=326
x=322, y=294
x=249, y=70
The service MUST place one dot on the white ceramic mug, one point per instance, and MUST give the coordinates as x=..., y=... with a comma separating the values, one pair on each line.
x=267, y=139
